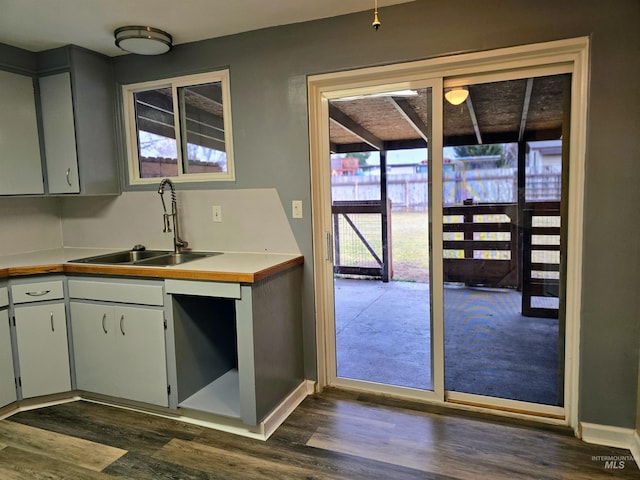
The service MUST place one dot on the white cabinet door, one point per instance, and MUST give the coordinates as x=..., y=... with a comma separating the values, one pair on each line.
x=140, y=356
x=43, y=353
x=120, y=351
x=7, y=379
x=20, y=164
x=59, y=133
x=92, y=329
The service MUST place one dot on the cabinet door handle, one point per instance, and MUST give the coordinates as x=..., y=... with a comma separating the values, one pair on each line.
x=121, y=324
x=39, y=293
x=104, y=326
x=68, y=179
x=52, y=327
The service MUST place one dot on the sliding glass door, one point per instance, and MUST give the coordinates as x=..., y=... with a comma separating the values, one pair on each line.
x=452, y=274
x=503, y=241
x=380, y=209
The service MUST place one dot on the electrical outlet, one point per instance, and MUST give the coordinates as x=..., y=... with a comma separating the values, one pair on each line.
x=296, y=208
x=217, y=213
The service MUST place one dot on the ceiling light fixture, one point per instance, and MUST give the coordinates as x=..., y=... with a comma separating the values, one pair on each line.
x=456, y=95
x=143, y=40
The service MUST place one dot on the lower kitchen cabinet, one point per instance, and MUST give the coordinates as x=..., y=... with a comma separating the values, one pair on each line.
x=43, y=353
x=120, y=351
x=7, y=379
x=238, y=347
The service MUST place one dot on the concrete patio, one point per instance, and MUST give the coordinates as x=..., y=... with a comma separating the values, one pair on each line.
x=383, y=335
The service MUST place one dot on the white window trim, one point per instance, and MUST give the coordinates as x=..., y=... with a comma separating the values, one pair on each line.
x=133, y=164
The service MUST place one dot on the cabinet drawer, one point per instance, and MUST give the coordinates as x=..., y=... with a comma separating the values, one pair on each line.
x=4, y=297
x=117, y=292
x=37, y=292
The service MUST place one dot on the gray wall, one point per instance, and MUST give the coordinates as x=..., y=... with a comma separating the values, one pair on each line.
x=268, y=87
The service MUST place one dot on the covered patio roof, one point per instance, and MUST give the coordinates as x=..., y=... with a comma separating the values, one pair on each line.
x=500, y=112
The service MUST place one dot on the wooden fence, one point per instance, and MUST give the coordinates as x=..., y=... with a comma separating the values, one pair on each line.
x=409, y=192
x=486, y=245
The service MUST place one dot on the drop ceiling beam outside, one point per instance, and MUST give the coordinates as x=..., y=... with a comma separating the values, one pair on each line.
x=387, y=145
x=210, y=93
x=474, y=120
x=155, y=115
x=355, y=128
x=525, y=108
x=411, y=116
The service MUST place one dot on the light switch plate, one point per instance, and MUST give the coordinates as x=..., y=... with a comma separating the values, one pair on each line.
x=216, y=213
x=296, y=208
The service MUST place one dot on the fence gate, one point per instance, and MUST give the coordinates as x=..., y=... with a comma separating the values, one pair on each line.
x=362, y=238
x=541, y=259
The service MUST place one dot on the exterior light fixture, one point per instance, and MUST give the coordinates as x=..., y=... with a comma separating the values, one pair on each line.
x=456, y=95
x=143, y=40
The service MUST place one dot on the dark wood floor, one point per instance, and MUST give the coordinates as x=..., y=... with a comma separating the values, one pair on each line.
x=334, y=435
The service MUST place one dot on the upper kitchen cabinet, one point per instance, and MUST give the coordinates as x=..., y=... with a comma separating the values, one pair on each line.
x=20, y=161
x=78, y=123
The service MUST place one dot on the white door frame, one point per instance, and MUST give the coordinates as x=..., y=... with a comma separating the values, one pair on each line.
x=435, y=161
x=571, y=53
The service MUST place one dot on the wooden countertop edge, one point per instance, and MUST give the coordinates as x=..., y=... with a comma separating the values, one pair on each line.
x=152, y=272
x=33, y=270
x=281, y=267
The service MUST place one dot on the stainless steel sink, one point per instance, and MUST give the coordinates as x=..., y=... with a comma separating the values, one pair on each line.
x=175, y=259
x=123, y=257
x=155, y=258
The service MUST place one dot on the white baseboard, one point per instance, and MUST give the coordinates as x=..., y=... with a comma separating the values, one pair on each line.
x=284, y=409
x=609, y=436
x=262, y=431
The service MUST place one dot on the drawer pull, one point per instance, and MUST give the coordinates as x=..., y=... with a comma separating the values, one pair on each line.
x=68, y=179
x=121, y=324
x=104, y=326
x=52, y=327
x=39, y=293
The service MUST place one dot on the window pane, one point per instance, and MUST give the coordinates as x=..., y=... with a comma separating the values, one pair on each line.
x=202, y=128
x=157, y=148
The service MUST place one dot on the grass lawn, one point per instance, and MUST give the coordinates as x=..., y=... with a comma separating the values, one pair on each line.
x=410, y=246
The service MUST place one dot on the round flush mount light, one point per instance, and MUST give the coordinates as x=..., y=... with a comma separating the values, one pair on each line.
x=143, y=40
x=456, y=95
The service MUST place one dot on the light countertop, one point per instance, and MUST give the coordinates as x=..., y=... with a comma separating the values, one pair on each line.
x=228, y=266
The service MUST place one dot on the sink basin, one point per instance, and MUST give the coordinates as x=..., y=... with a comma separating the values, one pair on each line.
x=175, y=259
x=155, y=258
x=123, y=257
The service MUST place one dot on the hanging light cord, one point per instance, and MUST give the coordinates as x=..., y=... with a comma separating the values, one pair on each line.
x=376, y=22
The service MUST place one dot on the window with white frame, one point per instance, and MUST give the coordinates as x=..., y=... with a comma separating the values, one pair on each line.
x=179, y=128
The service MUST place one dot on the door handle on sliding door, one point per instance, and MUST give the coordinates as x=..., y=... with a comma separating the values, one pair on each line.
x=329, y=247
